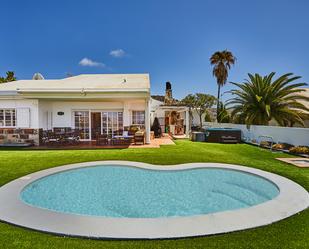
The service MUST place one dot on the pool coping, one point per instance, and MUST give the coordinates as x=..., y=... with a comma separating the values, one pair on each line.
x=291, y=200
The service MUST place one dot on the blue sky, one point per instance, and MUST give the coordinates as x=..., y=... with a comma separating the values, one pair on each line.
x=170, y=39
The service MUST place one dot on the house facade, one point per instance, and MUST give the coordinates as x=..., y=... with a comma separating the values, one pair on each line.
x=97, y=103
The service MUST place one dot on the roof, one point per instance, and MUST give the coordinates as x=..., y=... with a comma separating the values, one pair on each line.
x=83, y=82
x=158, y=97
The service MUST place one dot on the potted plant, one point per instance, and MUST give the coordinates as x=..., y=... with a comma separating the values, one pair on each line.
x=156, y=128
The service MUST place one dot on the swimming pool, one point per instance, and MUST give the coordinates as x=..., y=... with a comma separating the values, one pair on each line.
x=121, y=191
x=132, y=200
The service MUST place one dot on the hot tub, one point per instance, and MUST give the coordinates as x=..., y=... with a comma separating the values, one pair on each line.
x=223, y=135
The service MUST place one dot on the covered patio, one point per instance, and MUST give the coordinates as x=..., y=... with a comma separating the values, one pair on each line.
x=105, y=110
x=173, y=119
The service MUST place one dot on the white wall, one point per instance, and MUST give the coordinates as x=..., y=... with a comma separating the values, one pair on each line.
x=130, y=106
x=155, y=112
x=196, y=118
x=67, y=107
x=154, y=104
x=291, y=135
x=32, y=104
x=45, y=114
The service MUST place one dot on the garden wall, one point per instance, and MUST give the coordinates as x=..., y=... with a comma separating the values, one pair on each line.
x=291, y=135
x=12, y=136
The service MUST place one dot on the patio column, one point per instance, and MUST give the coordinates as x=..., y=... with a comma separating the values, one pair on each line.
x=147, y=121
x=187, y=122
x=126, y=114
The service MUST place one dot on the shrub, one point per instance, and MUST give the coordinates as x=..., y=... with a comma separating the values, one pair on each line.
x=156, y=128
x=282, y=146
x=265, y=144
x=300, y=150
x=278, y=147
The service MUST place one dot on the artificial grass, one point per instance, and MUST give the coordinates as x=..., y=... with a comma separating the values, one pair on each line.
x=289, y=233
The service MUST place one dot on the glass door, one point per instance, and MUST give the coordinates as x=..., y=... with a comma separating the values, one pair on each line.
x=112, y=123
x=81, y=121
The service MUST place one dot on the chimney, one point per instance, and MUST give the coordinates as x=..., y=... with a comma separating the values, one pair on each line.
x=168, y=99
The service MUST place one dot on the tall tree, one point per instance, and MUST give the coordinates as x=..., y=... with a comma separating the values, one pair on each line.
x=203, y=102
x=221, y=62
x=261, y=99
x=200, y=102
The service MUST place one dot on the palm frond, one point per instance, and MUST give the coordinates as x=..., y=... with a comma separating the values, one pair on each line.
x=260, y=99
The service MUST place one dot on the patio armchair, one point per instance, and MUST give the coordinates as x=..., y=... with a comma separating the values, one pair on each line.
x=101, y=139
x=44, y=137
x=71, y=137
x=52, y=139
x=139, y=137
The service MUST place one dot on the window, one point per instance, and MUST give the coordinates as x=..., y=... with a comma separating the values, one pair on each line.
x=81, y=119
x=138, y=117
x=112, y=123
x=7, y=117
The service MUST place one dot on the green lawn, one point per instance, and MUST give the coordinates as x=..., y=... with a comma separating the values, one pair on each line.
x=290, y=233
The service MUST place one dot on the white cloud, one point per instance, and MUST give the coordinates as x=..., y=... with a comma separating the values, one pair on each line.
x=86, y=62
x=117, y=53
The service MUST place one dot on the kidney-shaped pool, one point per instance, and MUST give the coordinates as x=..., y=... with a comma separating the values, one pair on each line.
x=119, y=199
x=121, y=191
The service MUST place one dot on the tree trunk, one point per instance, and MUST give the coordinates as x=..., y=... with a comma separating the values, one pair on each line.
x=218, y=102
x=201, y=123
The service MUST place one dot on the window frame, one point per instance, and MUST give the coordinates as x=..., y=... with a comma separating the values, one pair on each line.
x=137, y=117
x=12, y=119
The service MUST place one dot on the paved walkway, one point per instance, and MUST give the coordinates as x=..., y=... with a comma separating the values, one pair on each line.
x=156, y=143
x=298, y=161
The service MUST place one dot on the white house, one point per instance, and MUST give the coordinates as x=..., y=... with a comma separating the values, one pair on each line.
x=90, y=102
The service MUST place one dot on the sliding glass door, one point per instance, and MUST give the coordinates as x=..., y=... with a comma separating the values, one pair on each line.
x=112, y=123
x=90, y=123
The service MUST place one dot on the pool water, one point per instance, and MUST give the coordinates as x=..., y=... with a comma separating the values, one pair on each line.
x=121, y=191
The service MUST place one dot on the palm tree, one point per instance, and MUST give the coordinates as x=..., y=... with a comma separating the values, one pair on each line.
x=261, y=99
x=10, y=76
x=222, y=62
x=224, y=116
